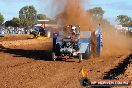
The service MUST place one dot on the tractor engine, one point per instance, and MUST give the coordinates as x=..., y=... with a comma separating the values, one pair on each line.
x=68, y=43
x=68, y=47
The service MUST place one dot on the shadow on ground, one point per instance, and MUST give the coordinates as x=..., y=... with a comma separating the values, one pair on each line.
x=34, y=54
x=1, y=36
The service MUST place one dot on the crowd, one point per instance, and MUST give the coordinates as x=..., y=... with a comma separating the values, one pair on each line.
x=15, y=30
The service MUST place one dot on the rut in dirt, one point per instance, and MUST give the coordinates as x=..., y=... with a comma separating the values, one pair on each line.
x=120, y=69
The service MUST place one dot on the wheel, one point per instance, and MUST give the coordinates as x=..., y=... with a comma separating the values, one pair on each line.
x=35, y=34
x=53, y=56
x=48, y=34
x=57, y=50
x=80, y=57
x=87, y=53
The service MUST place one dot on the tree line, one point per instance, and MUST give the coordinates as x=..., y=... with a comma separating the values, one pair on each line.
x=28, y=16
x=124, y=20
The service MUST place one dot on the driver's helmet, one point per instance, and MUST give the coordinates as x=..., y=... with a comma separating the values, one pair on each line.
x=69, y=36
x=74, y=29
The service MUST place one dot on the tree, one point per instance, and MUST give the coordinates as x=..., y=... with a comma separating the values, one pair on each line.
x=1, y=19
x=28, y=16
x=41, y=16
x=128, y=24
x=123, y=19
x=15, y=22
x=97, y=11
x=8, y=23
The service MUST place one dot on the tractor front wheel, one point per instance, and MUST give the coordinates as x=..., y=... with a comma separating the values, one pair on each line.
x=80, y=57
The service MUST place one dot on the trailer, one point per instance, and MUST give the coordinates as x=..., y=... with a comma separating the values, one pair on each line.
x=73, y=43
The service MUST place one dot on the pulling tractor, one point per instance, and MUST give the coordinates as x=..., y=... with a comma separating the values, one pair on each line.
x=73, y=43
x=41, y=29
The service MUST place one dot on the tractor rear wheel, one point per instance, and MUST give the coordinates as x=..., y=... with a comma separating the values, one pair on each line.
x=80, y=57
x=53, y=56
x=87, y=53
x=57, y=50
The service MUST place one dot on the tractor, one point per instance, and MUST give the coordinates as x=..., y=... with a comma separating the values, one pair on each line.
x=71, y=42
x=41, y=29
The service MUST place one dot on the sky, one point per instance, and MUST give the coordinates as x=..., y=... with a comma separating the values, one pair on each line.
x=113, y=8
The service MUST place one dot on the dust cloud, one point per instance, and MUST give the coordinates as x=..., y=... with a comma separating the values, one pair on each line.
x=115, y=43
x=73, y=12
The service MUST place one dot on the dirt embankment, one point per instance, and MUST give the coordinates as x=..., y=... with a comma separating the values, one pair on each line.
x=22, y=41
x=14, y=37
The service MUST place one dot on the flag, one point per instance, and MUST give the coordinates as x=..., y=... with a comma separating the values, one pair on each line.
x=99, y=41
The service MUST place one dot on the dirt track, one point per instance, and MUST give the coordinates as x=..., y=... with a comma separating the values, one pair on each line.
x=27, y=64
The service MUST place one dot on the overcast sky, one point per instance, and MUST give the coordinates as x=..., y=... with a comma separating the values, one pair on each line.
x=10, y=8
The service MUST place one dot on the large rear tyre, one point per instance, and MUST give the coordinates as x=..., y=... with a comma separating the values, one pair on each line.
x=80, y=57
x=87, y=53
x=53, y=56
x=35, y=34
x=57, y=50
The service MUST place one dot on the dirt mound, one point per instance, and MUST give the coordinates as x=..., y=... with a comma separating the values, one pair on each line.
x=35, y=44
x=9, y=37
